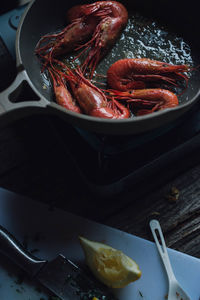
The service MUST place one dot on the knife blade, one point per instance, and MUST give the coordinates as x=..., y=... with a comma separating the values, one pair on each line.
x=61, y=276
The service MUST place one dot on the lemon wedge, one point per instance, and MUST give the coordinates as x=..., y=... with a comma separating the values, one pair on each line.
x=110, y=266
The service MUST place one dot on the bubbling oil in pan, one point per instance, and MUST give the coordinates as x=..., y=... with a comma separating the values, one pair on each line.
x=144, y=38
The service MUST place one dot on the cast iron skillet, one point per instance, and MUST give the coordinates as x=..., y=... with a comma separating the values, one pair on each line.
x=44, y=16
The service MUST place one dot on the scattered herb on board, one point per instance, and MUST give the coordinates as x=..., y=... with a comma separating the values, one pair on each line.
x=173, y=195
x=140, y=293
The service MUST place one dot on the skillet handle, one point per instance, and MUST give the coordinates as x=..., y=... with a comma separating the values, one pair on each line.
x=17, y=110
x=11, y=248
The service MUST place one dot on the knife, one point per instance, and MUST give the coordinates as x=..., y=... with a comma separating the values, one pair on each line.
x=60, y=275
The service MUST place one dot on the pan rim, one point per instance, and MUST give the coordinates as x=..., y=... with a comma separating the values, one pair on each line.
x=18, y=33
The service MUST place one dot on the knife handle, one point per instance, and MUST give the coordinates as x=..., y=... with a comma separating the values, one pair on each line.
x=11, y=248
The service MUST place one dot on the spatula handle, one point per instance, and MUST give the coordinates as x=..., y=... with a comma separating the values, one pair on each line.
x=162, y=249
x=11, y=248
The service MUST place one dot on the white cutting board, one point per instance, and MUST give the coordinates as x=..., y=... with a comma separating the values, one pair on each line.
x=58, y=232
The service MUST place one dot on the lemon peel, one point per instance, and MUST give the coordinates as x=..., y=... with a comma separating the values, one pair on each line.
x=109, y=265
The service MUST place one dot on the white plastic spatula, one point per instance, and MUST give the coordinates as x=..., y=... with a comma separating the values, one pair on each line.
x=175, y=290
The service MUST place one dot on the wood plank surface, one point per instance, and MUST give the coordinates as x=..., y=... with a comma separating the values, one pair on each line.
x=179, y=218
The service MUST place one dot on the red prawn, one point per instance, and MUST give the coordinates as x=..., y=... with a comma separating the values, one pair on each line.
x=113, y=19
x=91, y=99
x=136, y=73
x=93, y=28
x=76, y=33
x=62, y=94
x=147, y=100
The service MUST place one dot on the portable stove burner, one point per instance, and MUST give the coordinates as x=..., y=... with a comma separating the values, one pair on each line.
x=110, y=165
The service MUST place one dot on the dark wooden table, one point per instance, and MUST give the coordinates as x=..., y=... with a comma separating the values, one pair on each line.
x=35, y=164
